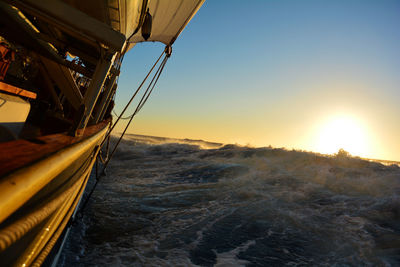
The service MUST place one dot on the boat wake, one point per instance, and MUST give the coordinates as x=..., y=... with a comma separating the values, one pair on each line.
x=169, y=202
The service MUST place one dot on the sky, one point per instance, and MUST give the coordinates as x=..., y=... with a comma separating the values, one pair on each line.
x=310, y=75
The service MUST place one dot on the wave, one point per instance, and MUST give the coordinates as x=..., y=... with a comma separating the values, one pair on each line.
x=171, y=202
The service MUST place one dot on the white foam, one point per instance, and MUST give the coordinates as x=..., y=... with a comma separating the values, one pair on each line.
x=161, y=185
x=229, y=258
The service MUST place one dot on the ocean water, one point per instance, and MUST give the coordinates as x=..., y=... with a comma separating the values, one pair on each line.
x=168, y=202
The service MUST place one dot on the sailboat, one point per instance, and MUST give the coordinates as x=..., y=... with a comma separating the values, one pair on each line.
x=59, y=64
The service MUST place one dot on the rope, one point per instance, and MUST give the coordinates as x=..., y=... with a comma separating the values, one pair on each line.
x=122, y=118
x=142, y=101
x=140, y=105
x=133, y=96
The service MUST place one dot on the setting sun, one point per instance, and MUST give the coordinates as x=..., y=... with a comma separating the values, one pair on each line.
x=342, y=132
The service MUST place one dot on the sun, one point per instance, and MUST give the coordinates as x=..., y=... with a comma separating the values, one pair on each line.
x=343, y=132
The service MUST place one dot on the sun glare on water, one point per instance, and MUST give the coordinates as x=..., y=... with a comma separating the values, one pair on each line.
x=342, y=132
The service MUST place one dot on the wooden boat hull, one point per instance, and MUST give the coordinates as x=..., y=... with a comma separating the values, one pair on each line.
x=38, y=200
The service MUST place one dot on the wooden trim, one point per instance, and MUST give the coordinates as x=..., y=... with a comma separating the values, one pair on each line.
x=31, y=40
x=94, y=89
x=20, y=153
x=105, y=100
x=73, y=21
x=70, y=47
x=24, y=183
x=62, y=77
x=16, y=91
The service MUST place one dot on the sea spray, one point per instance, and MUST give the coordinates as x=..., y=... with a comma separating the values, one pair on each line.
x=168, y=202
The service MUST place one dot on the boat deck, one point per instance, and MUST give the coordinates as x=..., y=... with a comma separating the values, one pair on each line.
x=20, y=153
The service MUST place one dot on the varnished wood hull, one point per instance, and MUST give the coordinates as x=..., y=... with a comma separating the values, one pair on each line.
x=38, y=199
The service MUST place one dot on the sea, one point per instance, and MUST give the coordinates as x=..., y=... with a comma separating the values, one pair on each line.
x=171, y=202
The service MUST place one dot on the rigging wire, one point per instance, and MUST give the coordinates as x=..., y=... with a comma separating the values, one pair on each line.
x=141, y=103
x=134, y=95
x=146, y=93
x=122, y=118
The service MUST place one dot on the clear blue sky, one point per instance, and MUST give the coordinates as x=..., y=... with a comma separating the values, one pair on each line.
x=276, y=73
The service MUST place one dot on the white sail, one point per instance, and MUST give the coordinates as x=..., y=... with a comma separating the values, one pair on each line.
x=169, y=17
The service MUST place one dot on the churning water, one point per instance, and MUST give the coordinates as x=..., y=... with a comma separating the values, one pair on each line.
x=165, y=203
